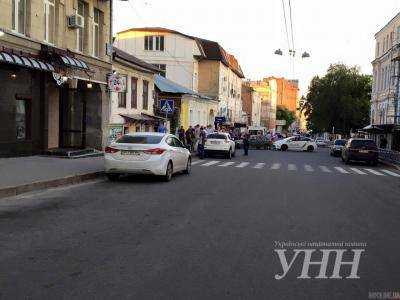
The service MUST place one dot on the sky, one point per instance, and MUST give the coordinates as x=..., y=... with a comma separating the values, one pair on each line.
x=331, y=31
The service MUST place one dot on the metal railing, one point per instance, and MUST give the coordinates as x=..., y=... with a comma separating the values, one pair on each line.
x=389, y=156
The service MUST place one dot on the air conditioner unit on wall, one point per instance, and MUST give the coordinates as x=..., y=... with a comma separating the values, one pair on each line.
x=76, y=21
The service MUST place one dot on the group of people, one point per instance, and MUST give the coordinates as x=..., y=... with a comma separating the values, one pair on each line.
x=195, y=137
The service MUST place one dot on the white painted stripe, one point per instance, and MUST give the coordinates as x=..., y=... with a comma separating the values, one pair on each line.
x=196, y=162
x=325, y=169
x=292, y=167
x=242, y=165
x=259, y=166
x=227, y=164
x=341, y=170
x=210, y=163
x=308, y=168
x=374, y=172
x=275, y=166
x=358, y=171
x=390, y=173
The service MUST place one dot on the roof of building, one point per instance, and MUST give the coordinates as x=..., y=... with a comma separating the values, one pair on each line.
x=118, y=53
x=210, y=50
x=388, y=23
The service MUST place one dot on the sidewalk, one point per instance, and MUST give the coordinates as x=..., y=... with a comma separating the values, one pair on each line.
x=23, y=174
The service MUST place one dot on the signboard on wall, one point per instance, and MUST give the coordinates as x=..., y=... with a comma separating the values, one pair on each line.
x=167, y=106
x=115, y=131
x=116, y=83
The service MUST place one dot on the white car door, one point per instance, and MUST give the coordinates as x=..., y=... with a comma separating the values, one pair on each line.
x=293, y=143
x=174, y=154
x=232, y=143
x=181, y=154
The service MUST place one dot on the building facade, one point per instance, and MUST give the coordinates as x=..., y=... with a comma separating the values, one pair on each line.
x=251, y=101
x=54, y=66
x=385, y=104
x=267, y=90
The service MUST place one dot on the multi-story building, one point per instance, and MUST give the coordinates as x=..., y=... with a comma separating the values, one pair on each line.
x=199, y=65
x=287, y=93
x=385, y=104
x=53, y=70
x=267, y=89
x=251, y=101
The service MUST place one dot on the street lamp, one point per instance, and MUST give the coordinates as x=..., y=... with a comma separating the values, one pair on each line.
x=292, y=53
x=278, y=52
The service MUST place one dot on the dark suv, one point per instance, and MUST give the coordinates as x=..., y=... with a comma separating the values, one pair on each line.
x=360, y=150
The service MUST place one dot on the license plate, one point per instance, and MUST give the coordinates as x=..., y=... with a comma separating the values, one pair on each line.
x=130, y=152
x=364, y=151
x=214, y=143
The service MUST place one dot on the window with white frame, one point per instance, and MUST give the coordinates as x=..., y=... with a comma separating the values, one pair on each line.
x=49, y=21
x=80, y=33
x=96, y=32
x=162, y=68
x=154, y=43
x=19, y=16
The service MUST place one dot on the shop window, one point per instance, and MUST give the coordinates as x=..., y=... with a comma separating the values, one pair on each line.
x=22, y=119
x=145, y=105
x=134, y=82
x=19, y=12
x=49, y=21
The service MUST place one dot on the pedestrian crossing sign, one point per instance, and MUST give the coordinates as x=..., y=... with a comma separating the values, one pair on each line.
x=167, y=106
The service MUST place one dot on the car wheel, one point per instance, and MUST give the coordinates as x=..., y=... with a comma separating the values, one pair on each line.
x=229, y=154
x=234, y=153
x=284, y=147
x=188, y=166
x=168, y=172
x=310, y=149
x=112, y=177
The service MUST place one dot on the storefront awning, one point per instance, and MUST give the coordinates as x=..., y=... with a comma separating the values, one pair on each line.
x=25, y=61
x=73, y=62
x=141, y=118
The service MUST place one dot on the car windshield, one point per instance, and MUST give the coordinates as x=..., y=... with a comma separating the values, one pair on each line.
x=139, y=139
x=340, y=142
x=357, y=144
x=216, y=136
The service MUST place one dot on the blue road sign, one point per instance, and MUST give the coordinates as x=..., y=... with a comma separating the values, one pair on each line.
x=220, y=120
x=167, y=106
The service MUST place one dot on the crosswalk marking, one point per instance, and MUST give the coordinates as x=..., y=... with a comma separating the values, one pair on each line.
x=242, y=165
x=308, y=168
x=292, y=167
x=276, y=166
x=259, y=166
x=325, y=169
x=341, y=170
x=196, y=162
x=227, y=164
x=210, y=163
x=390, y=173
x=374, y=172
x=358, y=171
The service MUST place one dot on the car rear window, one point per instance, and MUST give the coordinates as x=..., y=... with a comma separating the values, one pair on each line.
x=340, y=142
x=216, y=136
x=358, y=144
x=139, y=139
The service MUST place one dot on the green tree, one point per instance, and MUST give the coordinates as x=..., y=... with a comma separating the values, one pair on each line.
x=340, y=99
x=282, y=113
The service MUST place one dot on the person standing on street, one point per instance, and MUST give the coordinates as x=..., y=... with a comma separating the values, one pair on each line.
x=181, y=135
x=246, y=141
x=196, y=136
x=202, y=141
x=189, y=134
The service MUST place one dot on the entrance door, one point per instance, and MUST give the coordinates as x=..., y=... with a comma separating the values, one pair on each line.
x=72, y=118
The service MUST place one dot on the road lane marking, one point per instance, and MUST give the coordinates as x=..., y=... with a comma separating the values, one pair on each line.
x=325, y=169
x=196, y=162
x=359, y=172
x=210, y=163
x=341, y=170
x=391, y=173
x=259, y=166
x=374, y=172
x=292, y=167
x=242, y=165
x=227, y=164
x=275, y=166
x=308, y=168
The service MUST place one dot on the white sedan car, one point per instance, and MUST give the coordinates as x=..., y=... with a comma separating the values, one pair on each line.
x=220, y=143
x=298, y=143
x=147, y=153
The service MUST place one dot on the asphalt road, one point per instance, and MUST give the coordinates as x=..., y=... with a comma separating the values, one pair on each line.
x=207, y=235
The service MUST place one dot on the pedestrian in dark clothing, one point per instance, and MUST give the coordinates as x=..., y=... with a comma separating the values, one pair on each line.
x=189, y=134
x=181, y=135
x=202, y=141
x=246, y=141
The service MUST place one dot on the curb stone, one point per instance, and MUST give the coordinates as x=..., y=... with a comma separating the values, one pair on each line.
x=41, y=185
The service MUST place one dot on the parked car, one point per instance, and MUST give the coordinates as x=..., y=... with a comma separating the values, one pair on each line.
x=259, y=142
x=298, y=143
x=220, y=143
x=147, y=153
x=336, y=148
x=360, y=150
x=322, y=142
